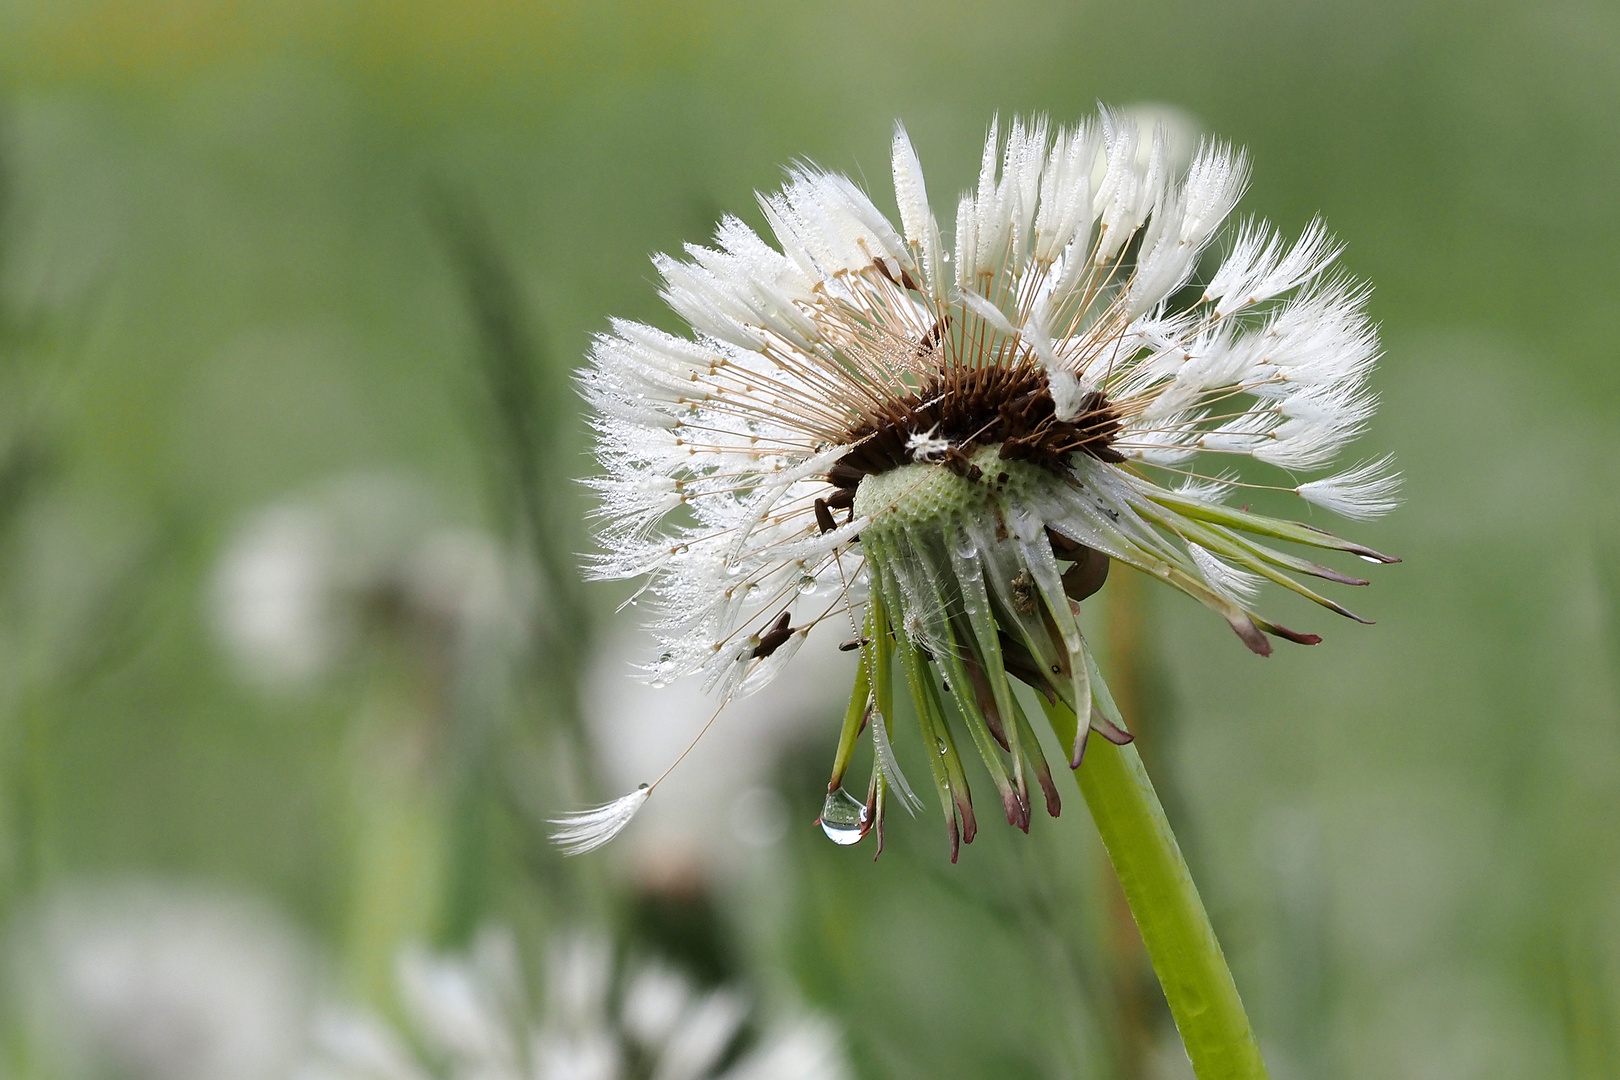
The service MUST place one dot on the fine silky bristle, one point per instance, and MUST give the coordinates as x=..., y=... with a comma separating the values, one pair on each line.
x=586, y=830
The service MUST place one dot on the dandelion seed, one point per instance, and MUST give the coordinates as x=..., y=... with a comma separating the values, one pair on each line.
x=959, y=442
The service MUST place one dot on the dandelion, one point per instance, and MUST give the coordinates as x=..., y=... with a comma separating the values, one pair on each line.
x=470, y=1016
x=940, y=447
x=937, y=449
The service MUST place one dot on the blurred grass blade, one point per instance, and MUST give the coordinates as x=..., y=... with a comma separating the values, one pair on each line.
x=532, y=402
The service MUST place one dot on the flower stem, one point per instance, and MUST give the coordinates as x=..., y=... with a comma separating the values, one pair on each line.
x=1175, y=928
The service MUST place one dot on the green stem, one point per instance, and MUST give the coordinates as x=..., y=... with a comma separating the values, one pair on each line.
x=1175, y=928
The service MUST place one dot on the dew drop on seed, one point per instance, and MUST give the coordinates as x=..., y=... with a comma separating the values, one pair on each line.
x=843, y=817
x=807, y=585
x=662, y=671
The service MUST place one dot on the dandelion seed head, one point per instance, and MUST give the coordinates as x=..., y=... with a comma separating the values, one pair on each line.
x=976, y=421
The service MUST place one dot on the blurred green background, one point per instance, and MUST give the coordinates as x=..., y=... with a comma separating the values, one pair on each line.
x=249, y=247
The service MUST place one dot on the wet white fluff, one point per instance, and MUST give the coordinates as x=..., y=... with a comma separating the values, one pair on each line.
x=1229, y=581
x=586, y=830
x=1369, y=490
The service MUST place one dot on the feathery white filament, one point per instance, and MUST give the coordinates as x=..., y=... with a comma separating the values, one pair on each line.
x=1210, y=490
x=1224, y=578
x=910, y=190
x=586, y=830
x=1369, y=490
x=1068, y=393
x=891, y=765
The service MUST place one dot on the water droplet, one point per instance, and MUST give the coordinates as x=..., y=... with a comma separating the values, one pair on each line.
x=965, y=548
x=945, y=256
x=843, y=817
x=807, y=585
x=943, y=749
x=1369, y=558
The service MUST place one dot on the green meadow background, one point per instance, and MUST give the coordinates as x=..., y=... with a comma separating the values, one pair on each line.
x=247, y=247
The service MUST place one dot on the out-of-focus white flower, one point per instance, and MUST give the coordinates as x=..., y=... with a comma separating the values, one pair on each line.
x=470, y=1017
x=273, y=597
x=159, y=982
x=300, y=579
x=466, y=581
